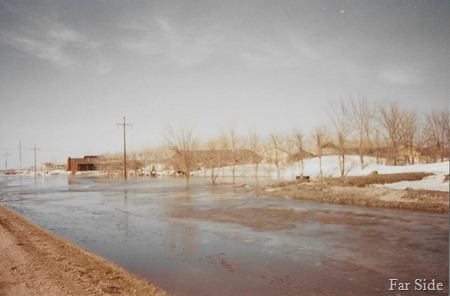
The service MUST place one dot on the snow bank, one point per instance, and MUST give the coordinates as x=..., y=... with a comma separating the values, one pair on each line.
x=330, y=168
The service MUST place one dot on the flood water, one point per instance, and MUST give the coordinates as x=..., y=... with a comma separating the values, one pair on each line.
x=226, y=240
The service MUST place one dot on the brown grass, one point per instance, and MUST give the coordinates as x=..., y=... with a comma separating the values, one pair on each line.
x=363, y=181
x=356, y=191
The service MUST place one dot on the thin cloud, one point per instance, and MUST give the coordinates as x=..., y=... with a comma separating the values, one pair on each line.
x=139, y=38
x=49, y=41
x=280, y=48
x=69, y=37
x=165, y=27
x=48, y=51
x=195, y=51
x=401, y=76
x=182, y=47
x=143, y=46
x=265, y=55
x=260, y=60
x=304, y=48
x=102, y=65
x=189, y=45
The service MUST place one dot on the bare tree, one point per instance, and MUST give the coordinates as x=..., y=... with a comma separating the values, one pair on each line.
x=391, y=120
x=421, y=138
x=276, y=143
x=223, y=145
x=340, y=115
x=378, y=144
x=135, y=164
x=229, y=141
x=439, y=132
x=255, y=146
x=214, y=159
x=233, y=140
x=321, y=139
x=299, y=144
x=242, y=157
x=110, y=164
x=183, y=143
x=408, y=132
x=290, y=149
x=362, y=121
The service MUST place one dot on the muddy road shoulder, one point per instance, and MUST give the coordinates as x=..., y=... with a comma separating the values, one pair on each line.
x=36, y=262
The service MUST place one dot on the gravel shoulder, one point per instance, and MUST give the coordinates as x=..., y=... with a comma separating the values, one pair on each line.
x=359, y=192
x=36, y=262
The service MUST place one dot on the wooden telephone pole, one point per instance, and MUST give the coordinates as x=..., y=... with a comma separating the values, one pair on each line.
x=6, y=161
x=35, y=160
x=20, y=157
x=124, y=125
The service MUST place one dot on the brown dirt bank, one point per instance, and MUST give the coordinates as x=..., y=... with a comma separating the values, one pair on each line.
x=355, y=191
x=36, y=262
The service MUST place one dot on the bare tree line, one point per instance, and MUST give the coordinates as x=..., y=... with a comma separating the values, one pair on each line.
x=388, y=132
x=399, y=135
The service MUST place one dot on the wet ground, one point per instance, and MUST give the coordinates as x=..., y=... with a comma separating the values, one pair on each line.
x=225, y=240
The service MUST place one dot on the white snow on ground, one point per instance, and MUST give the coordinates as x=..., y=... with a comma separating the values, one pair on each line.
x=30, y=172
x=330, y=168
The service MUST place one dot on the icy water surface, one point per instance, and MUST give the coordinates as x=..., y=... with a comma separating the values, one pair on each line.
x=225, y=240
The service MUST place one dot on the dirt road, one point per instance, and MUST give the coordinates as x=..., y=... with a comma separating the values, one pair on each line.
x=36, y=262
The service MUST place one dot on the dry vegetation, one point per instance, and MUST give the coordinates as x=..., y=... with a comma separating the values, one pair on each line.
x=364, y=181
x=357, y=191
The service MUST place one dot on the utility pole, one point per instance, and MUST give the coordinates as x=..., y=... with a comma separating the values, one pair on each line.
x=6, y=161
x=20, y=157
x=34, y=160
x=124, y=146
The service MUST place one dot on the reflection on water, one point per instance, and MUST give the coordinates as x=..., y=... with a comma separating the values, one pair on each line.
x=220, y=240
x=182, y=236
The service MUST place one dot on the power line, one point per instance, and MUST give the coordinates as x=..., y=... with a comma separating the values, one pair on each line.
x=124, y=125
x=19, y=149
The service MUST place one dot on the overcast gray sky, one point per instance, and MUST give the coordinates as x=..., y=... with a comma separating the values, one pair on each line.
x=70, y=70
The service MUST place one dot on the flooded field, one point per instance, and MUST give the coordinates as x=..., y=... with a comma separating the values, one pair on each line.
x=225, y=240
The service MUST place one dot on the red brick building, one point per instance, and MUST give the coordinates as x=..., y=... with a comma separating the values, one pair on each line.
x=87, y=163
